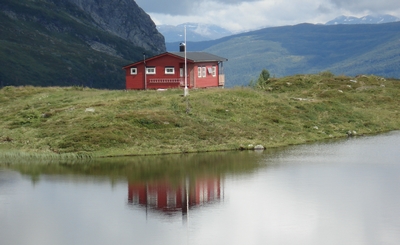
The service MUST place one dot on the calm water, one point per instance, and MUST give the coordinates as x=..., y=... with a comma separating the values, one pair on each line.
x=342, y=192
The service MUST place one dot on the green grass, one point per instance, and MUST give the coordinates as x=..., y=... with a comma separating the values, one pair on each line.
x=56, y=122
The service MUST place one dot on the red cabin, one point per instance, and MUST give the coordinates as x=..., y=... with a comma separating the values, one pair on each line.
x=167, y=70
x=169, y=198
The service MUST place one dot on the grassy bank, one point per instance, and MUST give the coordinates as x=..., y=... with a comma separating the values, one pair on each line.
x=73, y=122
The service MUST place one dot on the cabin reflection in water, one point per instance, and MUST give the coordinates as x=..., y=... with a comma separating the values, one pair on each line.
x=170, y=198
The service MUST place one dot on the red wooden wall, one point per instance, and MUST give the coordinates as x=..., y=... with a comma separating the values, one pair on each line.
x=209, y=80
x=153, y=81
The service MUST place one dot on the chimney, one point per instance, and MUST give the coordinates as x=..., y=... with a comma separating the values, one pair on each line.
x=182, y=47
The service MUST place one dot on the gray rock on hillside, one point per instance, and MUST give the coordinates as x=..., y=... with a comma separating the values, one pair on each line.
x=125, y=19
x=259, y=147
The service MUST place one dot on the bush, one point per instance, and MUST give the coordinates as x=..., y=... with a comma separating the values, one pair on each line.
x=262, y=80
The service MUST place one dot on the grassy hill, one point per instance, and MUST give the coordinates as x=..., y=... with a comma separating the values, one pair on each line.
x=76, y=121
x=307, y=49
x=48, y=44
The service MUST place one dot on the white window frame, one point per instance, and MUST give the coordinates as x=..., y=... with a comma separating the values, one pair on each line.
x=203, y=71
x=133, y=70
x=199, y=71
x=150, y=70
x=171, y=68
x=171, y=199
x=214, y=71
x=152, y=199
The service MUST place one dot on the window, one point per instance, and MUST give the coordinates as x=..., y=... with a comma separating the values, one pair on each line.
x=201, y=71
x=150, y=70
x=152, y=198
x=171, y=199
x=214, y=71
x=169, y=70
x=133, y=71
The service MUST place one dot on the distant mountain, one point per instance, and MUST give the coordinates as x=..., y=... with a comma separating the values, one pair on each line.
x=73, y=42
x=307, y=48
x=194, y=32
x=369, y=19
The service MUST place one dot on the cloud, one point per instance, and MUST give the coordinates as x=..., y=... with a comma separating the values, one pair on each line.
x=182, y=7
x=367, y=5
x=324, y=9
x=242, y=15
x=173, y=7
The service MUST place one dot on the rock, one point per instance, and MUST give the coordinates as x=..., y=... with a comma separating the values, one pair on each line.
x=302, y=99
x=46, y=115
x=259, y=147
x=125, y=19
x=90, y=109
x=351, y=133
x=103, y=48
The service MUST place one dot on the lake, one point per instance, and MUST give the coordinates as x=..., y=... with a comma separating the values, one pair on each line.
x=337, y=192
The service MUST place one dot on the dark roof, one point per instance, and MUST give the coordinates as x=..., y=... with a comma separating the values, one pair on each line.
x=199, y=56
x=193, y=56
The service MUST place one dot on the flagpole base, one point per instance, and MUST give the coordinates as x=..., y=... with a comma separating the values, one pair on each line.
x=186, y=92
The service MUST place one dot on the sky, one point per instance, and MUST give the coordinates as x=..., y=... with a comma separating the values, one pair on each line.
x=244, y=15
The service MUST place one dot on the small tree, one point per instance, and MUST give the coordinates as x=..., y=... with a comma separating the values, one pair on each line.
x=263, y=79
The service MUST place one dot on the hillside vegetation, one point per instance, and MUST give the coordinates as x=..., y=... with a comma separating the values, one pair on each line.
x=55, y=43
x=77, y=121
x=349, y=50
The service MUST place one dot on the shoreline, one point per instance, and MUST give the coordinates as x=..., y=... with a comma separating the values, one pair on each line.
x=77, y=157
x=81, y=123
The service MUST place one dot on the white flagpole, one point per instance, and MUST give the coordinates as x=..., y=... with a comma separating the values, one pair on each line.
x=186, y=91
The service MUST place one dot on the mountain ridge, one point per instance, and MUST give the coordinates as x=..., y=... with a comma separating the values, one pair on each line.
x=307, y=48
x=368, y=19
x=126, y=20
x=194, y=32
x=60, y=43
x=197, y=32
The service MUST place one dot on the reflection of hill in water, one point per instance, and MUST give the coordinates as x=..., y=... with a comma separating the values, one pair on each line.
x=167, y=185
x=172, y=168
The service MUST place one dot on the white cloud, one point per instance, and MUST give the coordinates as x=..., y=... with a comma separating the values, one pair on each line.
x=241, y=15
x=367, y=5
